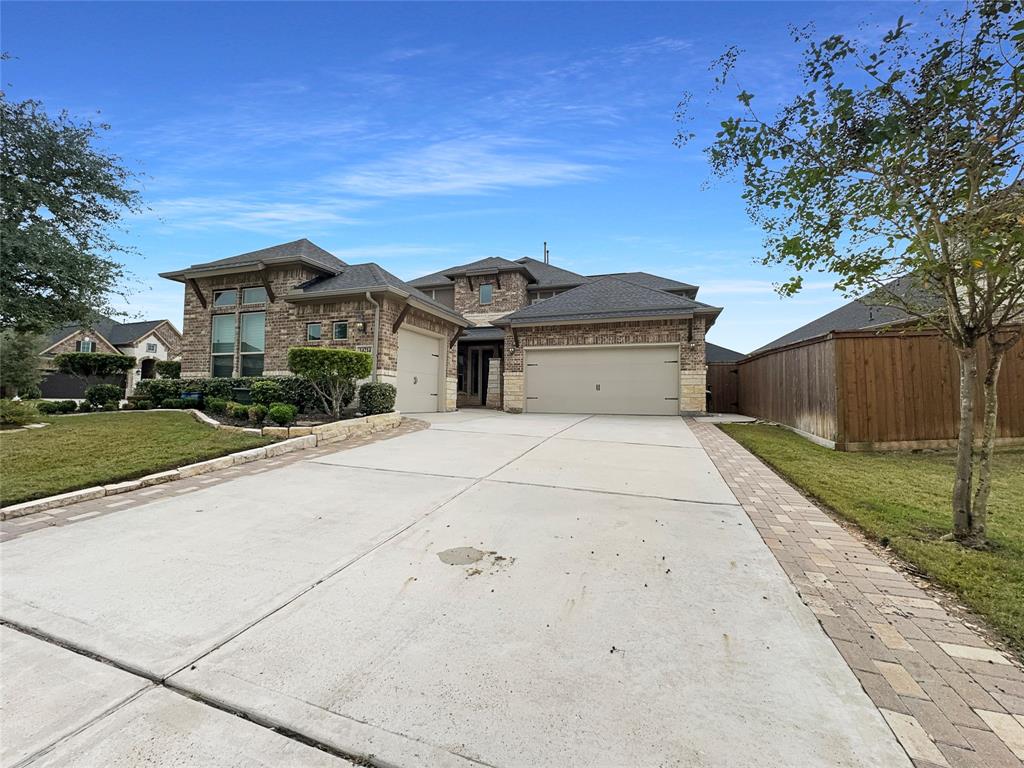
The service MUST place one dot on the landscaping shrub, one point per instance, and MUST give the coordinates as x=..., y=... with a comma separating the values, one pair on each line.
x=238, y=410
x=333, y=373
x=112, y=405
x=217, y=406
x=175, y=402
x=299, y=392
x=258, y=413
x=86, y=407
x=47, y=408
x=143, y=405
x=98, y=394
x=169, y=369
x=159, y=390
x=129, y=406
x=377, y=397
x=282, y=414
x=16, y=413
x=266, y=391
x=66, y=406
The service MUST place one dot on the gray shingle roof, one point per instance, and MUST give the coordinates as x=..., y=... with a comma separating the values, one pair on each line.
x=550, y=276
x=482, y=333
x=716, y=354
x=605, y=299
x=114, y=332
x=297, y=249
x=648, y=280
x=368, y=277
x=443, y=277
x=866, y=312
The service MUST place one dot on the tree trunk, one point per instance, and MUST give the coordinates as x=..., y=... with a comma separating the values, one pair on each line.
x=962, y=521
x=979, y=512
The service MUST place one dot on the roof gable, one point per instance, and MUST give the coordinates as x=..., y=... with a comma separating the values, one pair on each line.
x=549, y=276
x=301, y=250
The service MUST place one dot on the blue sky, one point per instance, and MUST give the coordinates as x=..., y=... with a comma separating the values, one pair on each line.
x=424, y=135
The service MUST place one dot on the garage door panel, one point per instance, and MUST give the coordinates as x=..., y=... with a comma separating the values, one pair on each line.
x=625, y=380
x=419, y=365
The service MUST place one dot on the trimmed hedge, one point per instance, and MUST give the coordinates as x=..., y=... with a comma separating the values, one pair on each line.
x=175, y=402
x=47, y=408
x=169, y=369
x=66, y=406
x=86, y=407
x=291, y=389
x=377, y=397
x=98, y=394
x=282, y=414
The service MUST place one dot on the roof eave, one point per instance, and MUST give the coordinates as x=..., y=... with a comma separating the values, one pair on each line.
x=199, y=271
x=301, y=296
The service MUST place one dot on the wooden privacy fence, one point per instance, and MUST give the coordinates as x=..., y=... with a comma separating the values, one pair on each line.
x=857, y=390
x=724, y=387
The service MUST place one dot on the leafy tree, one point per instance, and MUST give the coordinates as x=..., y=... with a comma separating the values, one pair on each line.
x=19, y=363
x=60, y=196
x=332, y=372
x=900, y=163
x=91, y=366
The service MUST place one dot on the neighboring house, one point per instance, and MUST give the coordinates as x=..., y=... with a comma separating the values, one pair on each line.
x=716, y=354
x=521, y=335
x=243, y=313
x=865, y=377
x=147, y=341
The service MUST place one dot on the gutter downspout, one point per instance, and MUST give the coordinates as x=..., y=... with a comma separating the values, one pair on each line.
x=376, y=334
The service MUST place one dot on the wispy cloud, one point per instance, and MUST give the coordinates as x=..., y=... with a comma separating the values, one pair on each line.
x=238, y=213
x=463, y=166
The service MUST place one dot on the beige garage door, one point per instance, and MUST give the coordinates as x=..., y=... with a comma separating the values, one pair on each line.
x=630, y=380
x=419, y=366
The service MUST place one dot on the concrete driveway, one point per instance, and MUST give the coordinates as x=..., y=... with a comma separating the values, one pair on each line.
x=496, y=590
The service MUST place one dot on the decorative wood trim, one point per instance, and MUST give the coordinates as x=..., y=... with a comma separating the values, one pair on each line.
x=400, y=319
x=455, y=337
x=198, y=292
x=266, y=286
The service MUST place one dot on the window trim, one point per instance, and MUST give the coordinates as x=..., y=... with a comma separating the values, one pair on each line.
x=82, y=342
x=334, y=330
x=218, y=292
x=245, y=303
x=320, y=332
x=151, y=346
x=490, y=293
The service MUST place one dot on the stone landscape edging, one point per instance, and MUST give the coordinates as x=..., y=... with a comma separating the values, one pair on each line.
x=303, y=438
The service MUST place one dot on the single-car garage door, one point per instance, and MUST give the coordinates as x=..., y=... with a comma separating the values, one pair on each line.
x=419, y=371
x=632, y=380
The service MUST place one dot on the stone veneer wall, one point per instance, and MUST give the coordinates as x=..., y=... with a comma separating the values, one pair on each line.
x=692, y=368
x=286, y=326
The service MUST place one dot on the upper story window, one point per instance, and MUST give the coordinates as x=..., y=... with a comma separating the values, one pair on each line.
x=225, y=298
x=254, y=295
x=340, y=331
x=312, y=331
x=486, y=293
x=150, y=346
x=85, y=345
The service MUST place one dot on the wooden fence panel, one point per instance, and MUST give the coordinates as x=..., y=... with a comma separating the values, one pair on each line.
x=794, y=386
x=724, y=383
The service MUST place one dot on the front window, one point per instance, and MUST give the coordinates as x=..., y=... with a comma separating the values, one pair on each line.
x=223, y=346
x=85, y=346
x=312, y=331
x=150, y=346
x=254, y=295
x=225, y=298
x=340, y=331
x=486, y=293
x=252, y=343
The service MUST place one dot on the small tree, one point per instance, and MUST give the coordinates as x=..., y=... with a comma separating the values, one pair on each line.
x=333, y=373
x=899, y=164
x=19, y=363
x=169, y=369
x=91, y=366
x=60, y=197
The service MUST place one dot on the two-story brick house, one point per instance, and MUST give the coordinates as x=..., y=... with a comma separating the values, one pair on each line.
x=520, y=335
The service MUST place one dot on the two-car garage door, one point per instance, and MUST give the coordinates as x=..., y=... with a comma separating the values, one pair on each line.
x=641, y=380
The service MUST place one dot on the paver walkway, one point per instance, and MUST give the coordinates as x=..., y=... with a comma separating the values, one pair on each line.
x=951, y=698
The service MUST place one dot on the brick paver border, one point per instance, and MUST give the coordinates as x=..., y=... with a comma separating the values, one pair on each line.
x=950, y=698
x=85, y=510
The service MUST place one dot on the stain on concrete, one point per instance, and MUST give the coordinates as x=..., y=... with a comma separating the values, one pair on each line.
x=461, y=555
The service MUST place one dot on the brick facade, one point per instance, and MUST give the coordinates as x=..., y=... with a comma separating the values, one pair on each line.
x=510, y=296
x=692, y=369
x=286, y=326
x=68, y=345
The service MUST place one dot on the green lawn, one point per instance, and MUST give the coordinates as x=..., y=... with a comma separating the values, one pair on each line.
x=95, y=449
x=903, y=499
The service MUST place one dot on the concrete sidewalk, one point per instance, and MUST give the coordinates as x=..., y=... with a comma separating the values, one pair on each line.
x=498, y=590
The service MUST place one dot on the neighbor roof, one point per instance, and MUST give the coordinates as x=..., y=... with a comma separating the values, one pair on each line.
x=116, y=333
x=298, y=250
x=604, y=299
x=716, y=354
x=859, y=314
x=356, y=278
